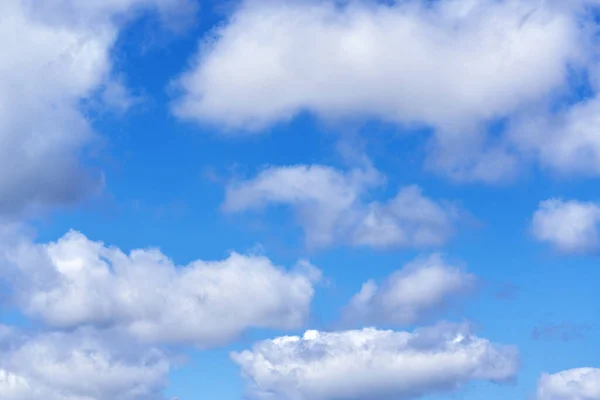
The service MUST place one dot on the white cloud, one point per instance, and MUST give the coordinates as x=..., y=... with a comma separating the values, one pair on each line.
x=55, y=54
x=569, y=226
x=79, y=366
x=567, y=143
x=77, y=282
x=116, y=96
x=373, y=364
x=273, y=60
x=331, y=207
x=419, y=290
x=574, y=384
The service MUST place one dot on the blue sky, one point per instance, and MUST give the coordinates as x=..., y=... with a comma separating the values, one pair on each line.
x=408, y=188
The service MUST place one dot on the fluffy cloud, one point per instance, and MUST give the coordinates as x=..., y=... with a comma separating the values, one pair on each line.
x=56, y=55
x=77, y=282
x=331, y=208
x=79, y=366
x=567, y=143
x=453, y=65
x=370, y=363
x=419, y=290
x=569, y=226
x=274, y=59
x=574, y=384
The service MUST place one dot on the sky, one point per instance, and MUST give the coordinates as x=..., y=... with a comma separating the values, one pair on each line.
x=299, y=200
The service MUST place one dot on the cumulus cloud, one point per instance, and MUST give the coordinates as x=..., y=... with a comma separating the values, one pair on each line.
x=373, y=364
x=79, y=366
x=419, y=290
x=56, y=55
x=569, y=226
x=567, y=142
x=273, y=60
x=78, y=282
x=574, y=384
x=331, y=207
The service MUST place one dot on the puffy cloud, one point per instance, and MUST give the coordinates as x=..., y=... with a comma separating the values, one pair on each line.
x=331, y=207
x=574, y=384
x=47, y=69
x=79, y=366
x=273, y=60
x=77, y=282
x=567, y=143
x=569, y=226
x=417, y=291
x=373, y=364
x=56, y=55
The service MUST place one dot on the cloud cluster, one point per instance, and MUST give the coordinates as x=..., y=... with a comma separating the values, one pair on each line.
x=78, y=366
x=56, y=59
x=370, y=363
x=331, y=207
x=455, y=66
x=574, y=384
x=419, y=290
x=569, y=226
x=76, y=282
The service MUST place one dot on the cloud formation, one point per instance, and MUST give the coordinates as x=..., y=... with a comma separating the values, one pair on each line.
x=485, y=48
x=273, y=60
x=573, y=384
x=78, y=282
x=331, y=207
x=56, y=56
x=370, y=363
x=78, y=366
x=419, y=290
x=566, y=142
x=570, y=226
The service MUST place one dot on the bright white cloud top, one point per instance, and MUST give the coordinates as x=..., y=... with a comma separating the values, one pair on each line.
x=370, y=363
x=574, y=384
x=419, y=290
x=78, y=282
x=569, y=226
x=331, y=207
